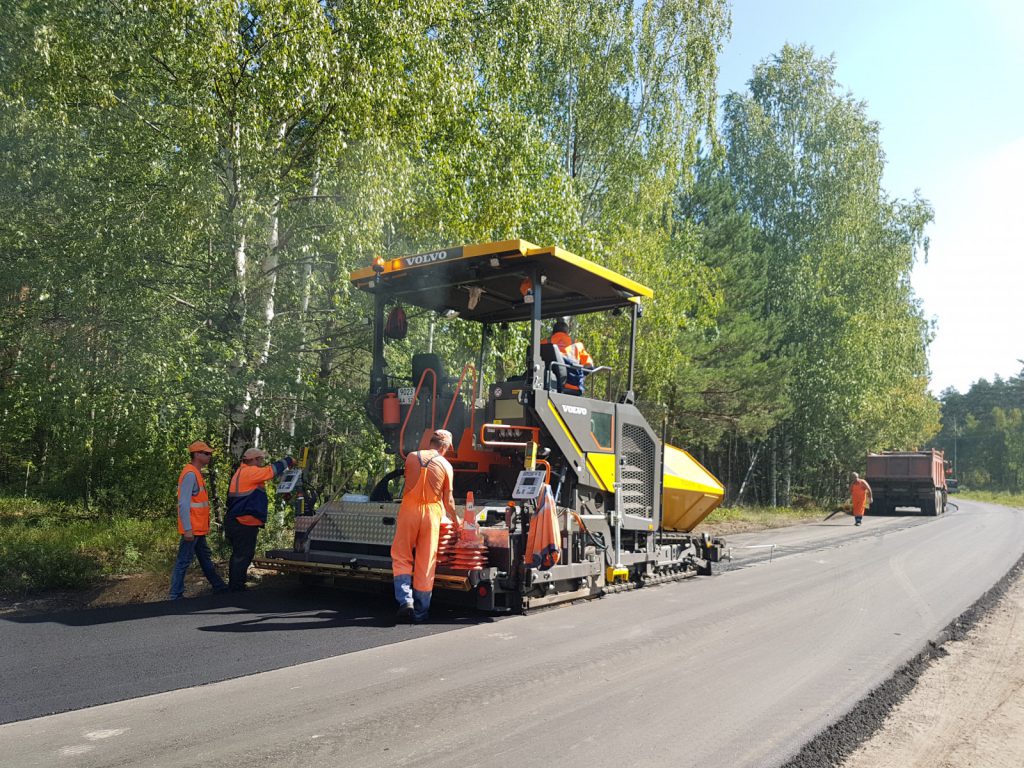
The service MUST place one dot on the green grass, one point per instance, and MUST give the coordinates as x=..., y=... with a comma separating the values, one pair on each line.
x=993, y=497
x=47, y=545
x=54, y=545
x=768, y=517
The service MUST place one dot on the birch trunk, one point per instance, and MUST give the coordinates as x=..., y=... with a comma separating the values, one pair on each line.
x=268, y=269
x=307, y=277
x=239, y=409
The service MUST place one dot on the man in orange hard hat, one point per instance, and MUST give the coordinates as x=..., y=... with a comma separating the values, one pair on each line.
x=194, y=522
x=575, y=355
x=860, y=495
x=247, y=510
x=427, y=496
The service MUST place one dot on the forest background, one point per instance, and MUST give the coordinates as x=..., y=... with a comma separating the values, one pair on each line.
x=187, y=186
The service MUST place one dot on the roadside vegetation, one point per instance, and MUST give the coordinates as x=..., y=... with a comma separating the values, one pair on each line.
x=46, y=545
x=983, y=434
x=53, y=545
x=763, y=517
x=1006, y=498
x=226, y=166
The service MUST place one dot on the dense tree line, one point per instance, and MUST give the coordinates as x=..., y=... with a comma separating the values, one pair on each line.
x=822, y=339
x=983, y=433
x=187, y=186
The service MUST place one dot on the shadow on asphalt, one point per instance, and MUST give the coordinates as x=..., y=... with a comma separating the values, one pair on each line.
x=287, y=608
x=54, y=662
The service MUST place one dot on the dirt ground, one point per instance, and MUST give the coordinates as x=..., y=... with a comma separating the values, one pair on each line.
x=152, y=587
x=967, y=709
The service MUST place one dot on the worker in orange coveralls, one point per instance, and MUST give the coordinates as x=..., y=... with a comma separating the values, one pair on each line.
x=427, y=496
x=860, y=495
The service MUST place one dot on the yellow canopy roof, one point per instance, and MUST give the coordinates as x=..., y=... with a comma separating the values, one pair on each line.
x=482, y=281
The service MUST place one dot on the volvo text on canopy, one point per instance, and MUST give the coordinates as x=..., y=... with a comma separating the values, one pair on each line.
x=626, y=504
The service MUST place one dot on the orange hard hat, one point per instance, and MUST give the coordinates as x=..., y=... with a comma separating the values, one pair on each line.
x=199, y=447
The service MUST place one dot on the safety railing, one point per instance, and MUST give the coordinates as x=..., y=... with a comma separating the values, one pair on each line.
x=455, y=398
x=412, y=407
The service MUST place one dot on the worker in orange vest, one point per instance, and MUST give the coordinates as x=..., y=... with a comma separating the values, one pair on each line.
x=194, y=522
x=860, y=495
x=247, y=510
x=427, y=496
x=575, y=355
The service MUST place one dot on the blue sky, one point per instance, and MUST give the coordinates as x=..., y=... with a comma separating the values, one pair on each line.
x=945, y=80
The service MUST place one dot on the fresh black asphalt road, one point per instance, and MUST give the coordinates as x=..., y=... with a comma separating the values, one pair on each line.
x=735, y=671
x=56, y=662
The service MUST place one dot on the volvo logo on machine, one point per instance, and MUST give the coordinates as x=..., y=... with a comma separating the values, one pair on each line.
x=425, y=258
x=575, y=410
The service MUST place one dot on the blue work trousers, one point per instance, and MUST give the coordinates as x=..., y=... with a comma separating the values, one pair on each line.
x=418, y=599
x=187, y=550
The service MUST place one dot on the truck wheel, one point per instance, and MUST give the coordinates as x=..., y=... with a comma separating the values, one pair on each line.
x=931, y=507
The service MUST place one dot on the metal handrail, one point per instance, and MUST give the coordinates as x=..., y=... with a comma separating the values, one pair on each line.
x=412, y=406
x=455, y=395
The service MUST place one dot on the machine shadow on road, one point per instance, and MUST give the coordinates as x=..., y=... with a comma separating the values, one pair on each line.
x=260, y=610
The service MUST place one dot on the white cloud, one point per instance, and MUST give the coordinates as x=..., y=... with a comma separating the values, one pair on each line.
x=973, y=282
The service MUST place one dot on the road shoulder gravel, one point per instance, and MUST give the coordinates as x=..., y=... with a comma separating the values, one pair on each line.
x=958, y=703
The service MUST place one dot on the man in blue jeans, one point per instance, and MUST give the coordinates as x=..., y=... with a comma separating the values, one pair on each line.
x=194, y=522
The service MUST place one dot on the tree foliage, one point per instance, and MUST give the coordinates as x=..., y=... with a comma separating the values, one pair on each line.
x=190, y=183
x=187, y=186
x=821, y=274
x=983, y=433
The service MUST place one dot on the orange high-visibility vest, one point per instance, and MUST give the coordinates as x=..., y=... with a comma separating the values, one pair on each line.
x=247, y=496
x=199, y=504
x=576, y=354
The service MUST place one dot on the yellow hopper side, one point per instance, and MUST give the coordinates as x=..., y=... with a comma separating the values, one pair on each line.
x=691, y=492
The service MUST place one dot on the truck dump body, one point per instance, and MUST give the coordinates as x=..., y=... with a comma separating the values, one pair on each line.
x=907, y=479
x=919, y=465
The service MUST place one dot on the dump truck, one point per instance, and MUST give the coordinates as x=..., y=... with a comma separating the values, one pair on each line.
x=627, y=503
x=907, y=479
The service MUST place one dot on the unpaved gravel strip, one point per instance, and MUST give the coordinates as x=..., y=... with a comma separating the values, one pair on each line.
x=958, y=703
x=967, y=708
